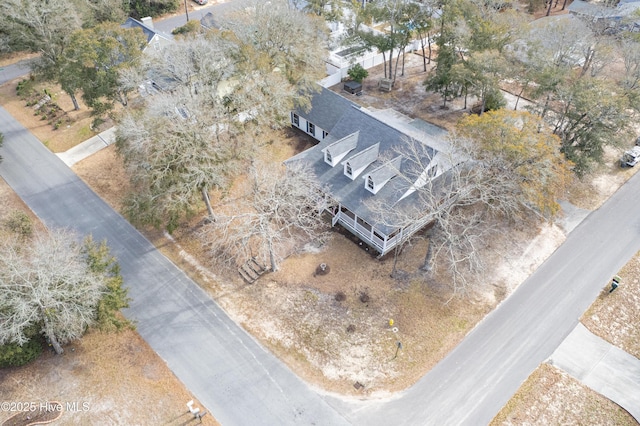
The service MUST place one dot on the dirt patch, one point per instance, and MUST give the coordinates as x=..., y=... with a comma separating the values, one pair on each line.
x=106, y=175
x=102, y=379
x=615, y=316
x=37, y=414
x=75, y=128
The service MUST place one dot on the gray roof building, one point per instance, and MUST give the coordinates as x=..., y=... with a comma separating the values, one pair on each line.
x=146, y=25
x=327, y=107
x=358, y=164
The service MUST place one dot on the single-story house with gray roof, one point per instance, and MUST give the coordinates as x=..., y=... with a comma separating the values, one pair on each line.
x=358, y=161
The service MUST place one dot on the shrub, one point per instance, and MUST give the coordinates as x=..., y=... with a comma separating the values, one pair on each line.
x=24, y=88
x=357, y=73
x=14, y=355
x=189, y=27
x=141, y=8
x=20, y=223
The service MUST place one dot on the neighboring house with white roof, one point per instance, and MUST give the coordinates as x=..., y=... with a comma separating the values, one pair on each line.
x=358, y=161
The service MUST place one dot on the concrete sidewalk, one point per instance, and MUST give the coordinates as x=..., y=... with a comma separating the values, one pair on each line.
x=88, y=147
x=603, y=367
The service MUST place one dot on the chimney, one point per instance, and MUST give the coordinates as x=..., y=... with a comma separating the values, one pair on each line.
x=148, y=21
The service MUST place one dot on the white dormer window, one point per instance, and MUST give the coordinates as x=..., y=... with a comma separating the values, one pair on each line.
x=339, y=149
x=311, y=129
x=377, y=178
x=356, y=164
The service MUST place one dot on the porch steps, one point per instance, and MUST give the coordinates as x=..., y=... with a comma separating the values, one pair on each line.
x=251, y=270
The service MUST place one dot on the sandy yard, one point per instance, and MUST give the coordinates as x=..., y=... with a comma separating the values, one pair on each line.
x=333, y=330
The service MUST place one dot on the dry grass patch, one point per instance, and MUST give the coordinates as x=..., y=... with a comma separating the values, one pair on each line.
x=551, y=397
x=70, y=134
x=615, y=317
x=106, y=175
x=114, y=378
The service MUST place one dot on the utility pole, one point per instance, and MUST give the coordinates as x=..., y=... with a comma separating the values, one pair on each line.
x=186, y=11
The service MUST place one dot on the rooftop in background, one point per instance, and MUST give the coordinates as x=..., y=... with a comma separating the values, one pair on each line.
x=146, y=25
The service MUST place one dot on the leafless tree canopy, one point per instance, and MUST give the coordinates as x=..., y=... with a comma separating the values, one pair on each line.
x=498, y=167
x=280, y=208
x=42, y=27
x=222, y=92
x=47, y=283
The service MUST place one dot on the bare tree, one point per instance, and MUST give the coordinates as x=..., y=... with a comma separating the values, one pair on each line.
x=49, y=283
x=177, y=150
x=222, y=91
x=497, y=166
x=42, y=27
x=278, y=48
x=281, y=208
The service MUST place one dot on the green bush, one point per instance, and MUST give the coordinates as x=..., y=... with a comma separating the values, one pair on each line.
x=14, y=355
x=494, y=100
x=142, y=8
x=24, y=88
x=19, y=223
x=189, y=27
x=357, y=73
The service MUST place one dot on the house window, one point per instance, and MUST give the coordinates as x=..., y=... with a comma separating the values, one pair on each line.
x=348, y=170
x=324, y=134
x=370, y=182
x=296, y=120
x=328, y=157
x=311, y=129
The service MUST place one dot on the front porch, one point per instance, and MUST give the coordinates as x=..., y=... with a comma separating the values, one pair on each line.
x=375, y=238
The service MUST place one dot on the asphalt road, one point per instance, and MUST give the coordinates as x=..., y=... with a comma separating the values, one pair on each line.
x=9, y=72
x=167, y=25
x=244, y=384
x=223, y=366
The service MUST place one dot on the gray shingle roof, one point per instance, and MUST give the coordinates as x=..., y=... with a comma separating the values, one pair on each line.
x=352, y=193
x=385, y=172
x=327, y=108
x=148, y=32
x=342, y=146
x=363, y=158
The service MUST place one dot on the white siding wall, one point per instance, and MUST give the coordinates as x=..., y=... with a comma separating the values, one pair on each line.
x=303, y=125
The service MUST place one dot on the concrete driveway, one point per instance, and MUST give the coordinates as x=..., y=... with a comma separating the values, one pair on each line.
x=606, y=369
